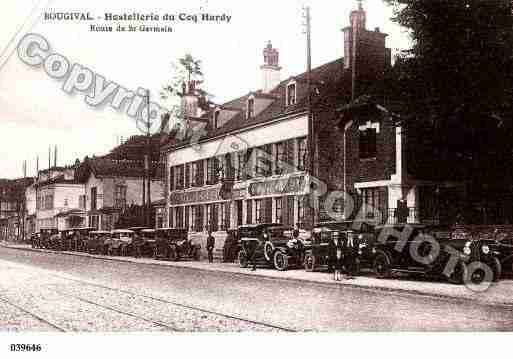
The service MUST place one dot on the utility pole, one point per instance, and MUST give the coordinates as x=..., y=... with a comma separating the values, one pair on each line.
x=311, y=138
x=147, y=160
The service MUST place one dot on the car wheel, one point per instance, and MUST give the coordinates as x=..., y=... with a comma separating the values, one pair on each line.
x=459, y=273
x=381, y=265
x=281, y=261
x=243, y=260
x=310, y=263
x=269, y=251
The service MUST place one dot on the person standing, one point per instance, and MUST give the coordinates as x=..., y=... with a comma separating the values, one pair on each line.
x=211, y=241
x=335, y=253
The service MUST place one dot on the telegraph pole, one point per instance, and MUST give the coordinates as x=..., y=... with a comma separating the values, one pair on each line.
x=311, y=137
x=147, y=159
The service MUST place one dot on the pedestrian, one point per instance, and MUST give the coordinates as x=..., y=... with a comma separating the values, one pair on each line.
x=335, y=254
x=211, y=241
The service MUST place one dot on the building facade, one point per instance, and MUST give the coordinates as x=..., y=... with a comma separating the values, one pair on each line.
x=253, y=164
x=110, y=187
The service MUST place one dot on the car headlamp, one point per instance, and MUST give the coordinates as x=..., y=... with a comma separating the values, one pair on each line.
x=290, y=243
x=265, y=236
x=485, y=249
x=360, y=236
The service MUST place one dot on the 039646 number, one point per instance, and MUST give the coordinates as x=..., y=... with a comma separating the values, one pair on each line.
x=25, y=347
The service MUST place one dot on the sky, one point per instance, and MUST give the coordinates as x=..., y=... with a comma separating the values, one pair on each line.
x=35, y=113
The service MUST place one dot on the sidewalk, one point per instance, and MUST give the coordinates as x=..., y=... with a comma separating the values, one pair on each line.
x=500, y=293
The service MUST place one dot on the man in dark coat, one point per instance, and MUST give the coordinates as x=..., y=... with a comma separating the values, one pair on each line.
x=211, y=241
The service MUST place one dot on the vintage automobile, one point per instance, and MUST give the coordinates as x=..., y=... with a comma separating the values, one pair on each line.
x=78, y=237
x=45, y=235
x=429, y=250
x=502, y=249
x=146, y=243
x=360, y=254
x=271, y=245
x=119, y=241
x=35, y=239
x=97, y=242
x=174, y=244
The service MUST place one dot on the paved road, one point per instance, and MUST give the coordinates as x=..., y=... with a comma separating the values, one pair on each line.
x=60, y=286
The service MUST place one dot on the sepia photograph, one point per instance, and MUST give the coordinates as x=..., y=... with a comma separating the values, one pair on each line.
x=179, y=172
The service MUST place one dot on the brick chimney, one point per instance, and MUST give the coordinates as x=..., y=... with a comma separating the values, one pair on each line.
x=270, y=69
x=365, y=53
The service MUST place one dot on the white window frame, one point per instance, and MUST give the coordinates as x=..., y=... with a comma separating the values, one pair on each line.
x=290, y=83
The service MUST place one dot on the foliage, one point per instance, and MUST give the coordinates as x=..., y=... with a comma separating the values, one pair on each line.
x=453, y=88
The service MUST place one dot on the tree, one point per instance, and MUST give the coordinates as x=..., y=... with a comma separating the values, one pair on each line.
x=453, y=90
x=187, y=72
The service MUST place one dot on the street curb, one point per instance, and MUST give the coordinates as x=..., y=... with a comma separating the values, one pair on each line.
x=411, y=292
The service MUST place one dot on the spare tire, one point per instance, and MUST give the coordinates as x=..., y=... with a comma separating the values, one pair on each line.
x=269, y=251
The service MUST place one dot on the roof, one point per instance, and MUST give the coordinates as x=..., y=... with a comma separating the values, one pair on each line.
x=331, y=84
x=61, y=179
x=108, y=167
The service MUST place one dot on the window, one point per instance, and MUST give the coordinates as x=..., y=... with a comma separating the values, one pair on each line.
x=49, y=202
x=94, y=221
x=224, y=216
x=82, y=201
x=370, y=202
x=240, y=166
x=212, y=170
x=251, y=108
x=263, y=162
x=259, y=215
x=171, y=221
x=186, y=218
x=198, y=218
x=94, y=195
x=229, y=171
x=180, y=180
x=197, y=173
x=301, y=210
x=302, y=154
x=280, y=158
x=291, y=94
x=249, y=211
x=179, y=217
x=120, y=196
x=367, y=143
x=279, y=209
x=65, y=202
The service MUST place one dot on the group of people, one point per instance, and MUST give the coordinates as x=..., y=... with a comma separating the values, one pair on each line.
x=342, y=254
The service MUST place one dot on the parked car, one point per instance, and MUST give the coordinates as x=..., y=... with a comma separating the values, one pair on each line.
x=119, y=241
x=97, y=242
x=79, y=237
x=396, y=255
x=174, y=244
x=146, y=243
x=45, y=235
x=488, y=246
x=274, y=246
x=502, y=248
x=362, y=234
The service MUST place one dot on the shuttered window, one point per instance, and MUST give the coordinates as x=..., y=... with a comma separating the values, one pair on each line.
x=187, y=175
x=171, y=179
x=249, y=211
x=302, y=154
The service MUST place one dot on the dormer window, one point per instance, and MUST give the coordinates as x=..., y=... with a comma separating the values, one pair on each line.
x=216, y=118
x=291, y=94
x=251, y=107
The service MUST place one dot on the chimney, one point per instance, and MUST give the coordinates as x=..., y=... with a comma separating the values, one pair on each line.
x=270, y=69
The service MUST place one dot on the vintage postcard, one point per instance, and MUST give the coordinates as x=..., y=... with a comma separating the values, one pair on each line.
x=254, y=167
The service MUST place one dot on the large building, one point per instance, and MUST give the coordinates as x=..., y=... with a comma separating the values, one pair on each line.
x=252, y=164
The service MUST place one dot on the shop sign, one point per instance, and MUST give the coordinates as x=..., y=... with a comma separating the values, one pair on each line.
x=278, y=187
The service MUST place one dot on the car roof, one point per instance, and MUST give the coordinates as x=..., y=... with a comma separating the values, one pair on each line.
x=260, y=225
x=148, y=230
x=171, y=229
x=100, y=232
x=122, y=231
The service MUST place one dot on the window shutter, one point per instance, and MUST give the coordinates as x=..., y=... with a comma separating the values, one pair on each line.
x=227, y=215
x=171, y=179
x=201, y=173
x=187, y=175
x=289, y=155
